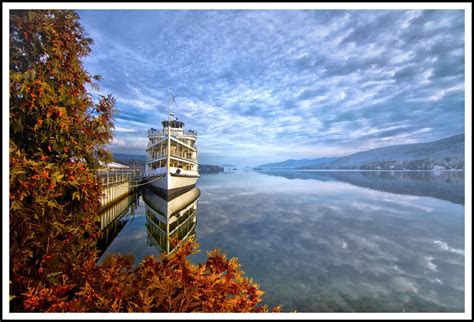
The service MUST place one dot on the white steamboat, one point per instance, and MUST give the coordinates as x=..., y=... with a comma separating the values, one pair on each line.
x=171, y=157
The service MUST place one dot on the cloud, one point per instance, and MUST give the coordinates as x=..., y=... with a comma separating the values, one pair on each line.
x=256, y=82
x=124, y=129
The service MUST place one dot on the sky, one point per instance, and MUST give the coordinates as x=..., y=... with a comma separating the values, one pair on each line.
x=264, y=86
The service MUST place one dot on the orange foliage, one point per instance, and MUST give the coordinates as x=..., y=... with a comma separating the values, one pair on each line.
x=49, y=229
x=168, y=284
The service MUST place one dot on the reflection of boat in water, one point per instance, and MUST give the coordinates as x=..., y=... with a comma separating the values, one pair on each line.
x=169, y=223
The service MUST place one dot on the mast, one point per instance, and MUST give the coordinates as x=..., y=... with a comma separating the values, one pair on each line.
x=169, y=134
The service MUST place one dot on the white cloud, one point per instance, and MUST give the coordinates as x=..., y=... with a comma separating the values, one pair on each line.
x=239, y=75
x=124, y=129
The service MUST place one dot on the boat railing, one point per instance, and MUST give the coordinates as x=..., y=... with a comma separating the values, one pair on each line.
x=190, y=133
x=182, y=156
x=174, y=154
x=154, y=132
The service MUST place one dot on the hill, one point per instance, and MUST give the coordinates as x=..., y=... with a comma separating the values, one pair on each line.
x=446, y=153
x=126, y=158
x=293, y=164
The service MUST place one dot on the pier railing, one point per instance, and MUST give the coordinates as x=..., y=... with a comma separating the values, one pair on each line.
x=117, y=184
x=113, y=177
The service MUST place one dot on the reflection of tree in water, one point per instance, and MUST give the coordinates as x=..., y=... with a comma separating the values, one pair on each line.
x=446, y=185
x=425, y=176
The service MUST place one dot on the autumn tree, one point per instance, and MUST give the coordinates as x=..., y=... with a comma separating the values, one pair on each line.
x=58, y=135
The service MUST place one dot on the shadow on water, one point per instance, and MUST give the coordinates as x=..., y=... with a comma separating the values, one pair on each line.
x=445, y=185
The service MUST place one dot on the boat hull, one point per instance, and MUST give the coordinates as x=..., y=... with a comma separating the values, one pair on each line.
x=170, y=186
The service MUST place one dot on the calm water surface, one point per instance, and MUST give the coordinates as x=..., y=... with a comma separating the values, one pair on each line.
x=330, y=241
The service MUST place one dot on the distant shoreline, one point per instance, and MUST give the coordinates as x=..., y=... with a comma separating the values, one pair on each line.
x=362, y=170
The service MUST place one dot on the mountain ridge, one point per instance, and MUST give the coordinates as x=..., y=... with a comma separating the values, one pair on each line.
x=292, y=163
x=446, y=153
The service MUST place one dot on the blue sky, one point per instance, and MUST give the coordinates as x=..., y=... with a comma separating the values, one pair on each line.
x=261, y=86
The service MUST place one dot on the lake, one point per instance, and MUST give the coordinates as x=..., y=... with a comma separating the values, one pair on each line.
x=328, y=241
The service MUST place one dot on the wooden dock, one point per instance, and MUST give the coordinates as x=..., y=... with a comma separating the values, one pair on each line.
x=117, y=184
